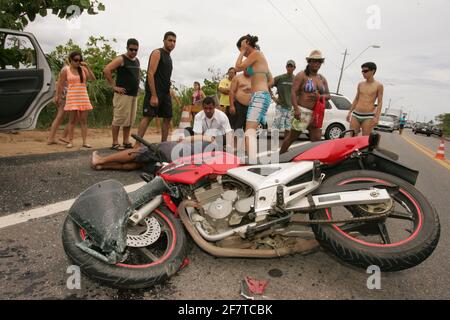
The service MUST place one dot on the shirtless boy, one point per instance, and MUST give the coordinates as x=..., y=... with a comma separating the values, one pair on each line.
x=363, y=113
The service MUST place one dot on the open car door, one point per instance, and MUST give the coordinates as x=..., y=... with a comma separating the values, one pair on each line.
x=26, y=80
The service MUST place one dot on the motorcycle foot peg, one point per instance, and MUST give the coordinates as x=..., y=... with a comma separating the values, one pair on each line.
x=317, y=172
x=280, y=196
x=146, y=177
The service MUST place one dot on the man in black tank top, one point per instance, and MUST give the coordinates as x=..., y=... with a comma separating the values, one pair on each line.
x=126, y=89
x=157, y=101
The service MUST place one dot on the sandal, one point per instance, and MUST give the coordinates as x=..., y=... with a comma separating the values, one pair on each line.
x=87, y=146
x=64, y=140
x=69, y=145
x=128, y=146
x=115, y=147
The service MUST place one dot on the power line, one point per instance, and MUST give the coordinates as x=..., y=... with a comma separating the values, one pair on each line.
x=293, y=25
x=326, y=24
x=296, y=29
x=329, y=40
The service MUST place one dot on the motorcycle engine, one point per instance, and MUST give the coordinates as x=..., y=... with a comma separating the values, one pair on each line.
x=223, y=207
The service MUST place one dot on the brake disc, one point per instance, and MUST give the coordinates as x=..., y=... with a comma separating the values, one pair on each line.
x=148, y=236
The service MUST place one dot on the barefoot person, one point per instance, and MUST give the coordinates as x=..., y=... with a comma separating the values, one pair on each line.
x=363, y=114
x=157, y=101
x=141, y=157
x=309, y=86
x=126, y=89
x=77, y=99
x=258, y=69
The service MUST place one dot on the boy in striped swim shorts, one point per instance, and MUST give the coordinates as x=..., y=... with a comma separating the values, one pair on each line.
x=364, y=114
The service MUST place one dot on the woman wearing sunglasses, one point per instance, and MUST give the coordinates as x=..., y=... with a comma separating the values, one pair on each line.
x=77, y=104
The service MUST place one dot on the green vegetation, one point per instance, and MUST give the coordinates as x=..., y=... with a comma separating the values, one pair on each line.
x=97, y=54
x=17, y=14
x=444, y=123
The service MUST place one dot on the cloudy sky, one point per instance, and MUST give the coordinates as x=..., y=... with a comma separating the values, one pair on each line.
x=413, y=58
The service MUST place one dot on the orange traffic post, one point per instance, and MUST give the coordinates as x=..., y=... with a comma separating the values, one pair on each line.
x=441, y=151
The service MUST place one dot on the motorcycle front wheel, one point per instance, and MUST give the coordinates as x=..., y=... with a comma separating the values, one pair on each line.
x=145, y=265
x=404, y=239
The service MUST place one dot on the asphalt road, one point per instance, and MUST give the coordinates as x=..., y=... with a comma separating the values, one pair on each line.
x=33, y=264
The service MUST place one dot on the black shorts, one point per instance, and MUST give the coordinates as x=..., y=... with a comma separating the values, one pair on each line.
x=163, y=110
x=239, y=119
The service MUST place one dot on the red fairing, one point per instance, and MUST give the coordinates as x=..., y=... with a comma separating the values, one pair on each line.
x=335, y=150
x=191, y=170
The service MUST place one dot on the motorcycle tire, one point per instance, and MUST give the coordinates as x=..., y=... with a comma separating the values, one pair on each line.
x=387, y=256
x=125, y=276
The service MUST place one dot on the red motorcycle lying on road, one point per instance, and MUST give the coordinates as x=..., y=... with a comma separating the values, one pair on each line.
x=361, y=205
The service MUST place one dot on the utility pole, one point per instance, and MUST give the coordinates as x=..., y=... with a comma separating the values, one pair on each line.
x=342, y=71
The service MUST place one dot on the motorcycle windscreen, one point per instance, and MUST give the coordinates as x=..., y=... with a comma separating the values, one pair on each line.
x=102, y=211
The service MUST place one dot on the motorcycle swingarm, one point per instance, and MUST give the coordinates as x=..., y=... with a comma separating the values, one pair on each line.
x=337, y=199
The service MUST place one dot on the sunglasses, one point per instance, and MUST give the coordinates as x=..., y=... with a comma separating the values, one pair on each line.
x=365, y=71
x=76, y=60
x=290, y=66
x=316, y=60
x=133, y=50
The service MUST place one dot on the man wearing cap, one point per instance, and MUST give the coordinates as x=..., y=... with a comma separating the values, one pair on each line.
x=283, y=83
x=309, y=86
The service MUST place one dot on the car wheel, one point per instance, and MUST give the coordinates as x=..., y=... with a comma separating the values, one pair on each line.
x=334, y=131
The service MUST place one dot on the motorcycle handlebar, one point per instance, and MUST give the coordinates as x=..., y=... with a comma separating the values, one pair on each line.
x=141, y=140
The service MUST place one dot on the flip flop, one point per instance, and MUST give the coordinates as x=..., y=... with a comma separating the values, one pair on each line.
x=87, y=146
x=64, y=141
x=115, y=147
x=69, y=145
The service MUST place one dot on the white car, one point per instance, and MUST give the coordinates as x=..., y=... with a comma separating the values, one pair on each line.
x=386, y=123
x=335, y=120
x=26, y=80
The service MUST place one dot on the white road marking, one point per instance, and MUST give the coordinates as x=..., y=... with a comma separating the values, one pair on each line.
x=55, y=208
x=41, y=212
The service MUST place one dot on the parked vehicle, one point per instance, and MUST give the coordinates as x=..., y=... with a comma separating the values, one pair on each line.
x=386, y=123
x=437, y=131
x=335, y=120
x=396, y=114
x=424, y=128
x=26, y=80
x=234, y=210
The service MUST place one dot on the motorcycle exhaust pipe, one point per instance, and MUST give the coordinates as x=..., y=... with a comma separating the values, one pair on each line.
x=302, y=246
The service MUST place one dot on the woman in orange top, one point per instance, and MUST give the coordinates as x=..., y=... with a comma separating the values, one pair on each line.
x=77, y=98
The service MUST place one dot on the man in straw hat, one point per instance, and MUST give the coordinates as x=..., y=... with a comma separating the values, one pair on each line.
x=309, y=86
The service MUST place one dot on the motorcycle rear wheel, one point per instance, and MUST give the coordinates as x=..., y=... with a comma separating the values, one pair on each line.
x=164, y=258
x=367, y=244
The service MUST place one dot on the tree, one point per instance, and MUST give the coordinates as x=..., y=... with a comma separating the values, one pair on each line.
x=16, y=14
x=444, y=123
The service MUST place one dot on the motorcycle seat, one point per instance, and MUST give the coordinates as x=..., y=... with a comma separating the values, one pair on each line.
x=296, y=151
x=290, y=155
